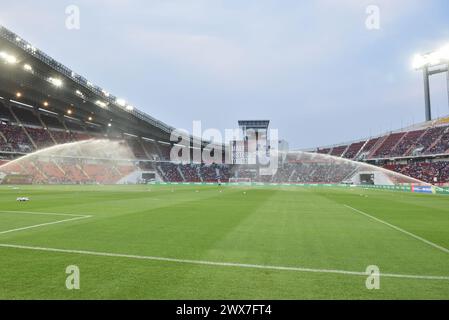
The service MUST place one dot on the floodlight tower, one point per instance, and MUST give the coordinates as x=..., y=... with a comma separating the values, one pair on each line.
x=432, y=63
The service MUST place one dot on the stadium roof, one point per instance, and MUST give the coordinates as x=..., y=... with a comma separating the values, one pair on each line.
x=254, y=124
x=44, y=83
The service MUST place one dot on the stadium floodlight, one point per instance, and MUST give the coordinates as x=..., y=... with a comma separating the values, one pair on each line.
x=31, y=48
x=432, y=63
x=109, y=124
x=18, y=94
x=18, y=39
x=27, y=67
x=129, y=108
x=121, y=102
x=69, y=111
x=444, y=52
x=105, y=93
x=101, y=104
x=432, y=59
x=427, y=60
x=90, y=118
x=45, y=104
x=55, y=82
x=79, y=93
x=419, y=61
x=8, y=58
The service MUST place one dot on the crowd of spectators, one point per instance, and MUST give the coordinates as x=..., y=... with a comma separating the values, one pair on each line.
x=442, y=146
x=353, y=150
x=299, y=172
x=170, y=172
x=388, y=145
x=13, y=138
x=41, y=137
x=407, y=142
x=428, y=141
x=431, y=172
x=192, y=172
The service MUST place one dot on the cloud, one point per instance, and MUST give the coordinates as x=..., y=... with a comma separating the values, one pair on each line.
x=207, y=53
x=311, y=66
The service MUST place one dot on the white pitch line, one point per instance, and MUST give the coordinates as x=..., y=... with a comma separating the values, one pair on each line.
x=221, y=264
x=430, y=243
x=46, y=213
x=44, y=224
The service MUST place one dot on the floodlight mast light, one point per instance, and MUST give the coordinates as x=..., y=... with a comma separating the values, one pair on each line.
x=7, y=58
x=56, y=82
x=121, y=102
x=432, y=63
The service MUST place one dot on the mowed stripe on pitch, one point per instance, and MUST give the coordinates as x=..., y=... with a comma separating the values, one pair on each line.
x=221, y=264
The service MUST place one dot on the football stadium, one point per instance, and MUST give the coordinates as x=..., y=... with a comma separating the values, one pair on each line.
x=101, y=200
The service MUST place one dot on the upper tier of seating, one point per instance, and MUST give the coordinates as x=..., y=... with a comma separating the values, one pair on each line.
x=432, y=140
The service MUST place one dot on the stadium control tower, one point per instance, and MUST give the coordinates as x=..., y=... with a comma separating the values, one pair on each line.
x=254, y=139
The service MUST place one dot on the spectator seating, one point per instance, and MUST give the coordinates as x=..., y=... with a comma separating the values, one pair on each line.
x=430, y=172
x=422, y=141
x=407, y=142
x=353, y=150
x=388, y=145
x=338, y=151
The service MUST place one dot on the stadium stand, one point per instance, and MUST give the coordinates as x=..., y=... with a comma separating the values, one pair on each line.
x=338, y=151
x=354, y=150
x=430, y=172
x=368, y=146
x=51, y=122
x=39, y=137
x=430, y=137
x=421, y=152
x=151, y=150
x=23, y=131
x=299, y=172
x=407, y=142
x=4, y=112
x=171, y=172
x=14, y=139
x=441, y=145
x=324, y=151
x=61, y=136
x=27, y=124
x=191, y=173
x=388, y=144
x=137, y=148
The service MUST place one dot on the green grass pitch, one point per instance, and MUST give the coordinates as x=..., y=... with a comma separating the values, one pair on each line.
x=210, y=242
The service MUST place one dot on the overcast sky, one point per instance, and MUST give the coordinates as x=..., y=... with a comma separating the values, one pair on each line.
x=311, y=67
